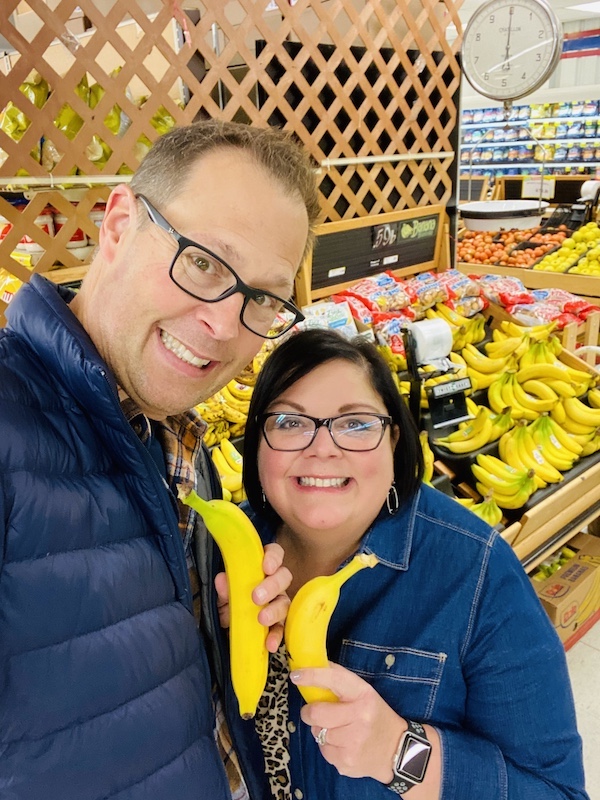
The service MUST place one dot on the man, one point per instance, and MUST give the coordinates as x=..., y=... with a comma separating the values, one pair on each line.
x=105, y=685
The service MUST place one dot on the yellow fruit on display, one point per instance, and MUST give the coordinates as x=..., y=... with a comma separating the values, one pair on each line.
x=243, y=554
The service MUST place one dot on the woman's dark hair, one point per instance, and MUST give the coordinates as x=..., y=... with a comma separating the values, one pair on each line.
x=295, y=358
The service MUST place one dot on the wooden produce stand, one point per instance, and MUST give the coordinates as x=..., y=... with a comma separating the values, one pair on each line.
x=404, y=242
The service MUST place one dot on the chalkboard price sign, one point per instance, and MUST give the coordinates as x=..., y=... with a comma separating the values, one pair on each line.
x=384, y=235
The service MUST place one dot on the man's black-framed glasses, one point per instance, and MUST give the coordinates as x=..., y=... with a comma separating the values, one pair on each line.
x=202, y=274
x=355, y=431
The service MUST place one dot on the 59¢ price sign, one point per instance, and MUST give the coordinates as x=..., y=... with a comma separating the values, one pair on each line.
x=384, y=235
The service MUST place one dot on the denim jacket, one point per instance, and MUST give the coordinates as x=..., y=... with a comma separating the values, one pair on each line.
x=449, y=631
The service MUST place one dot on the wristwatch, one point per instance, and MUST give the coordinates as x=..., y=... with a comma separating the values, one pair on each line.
x=411, y=759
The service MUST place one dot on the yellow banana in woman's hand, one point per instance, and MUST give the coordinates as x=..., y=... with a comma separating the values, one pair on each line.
x=308, y=619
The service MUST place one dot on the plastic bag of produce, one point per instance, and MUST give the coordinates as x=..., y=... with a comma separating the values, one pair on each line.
x=14, y=122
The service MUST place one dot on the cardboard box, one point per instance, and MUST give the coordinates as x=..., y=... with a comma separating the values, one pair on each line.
x=571, y=596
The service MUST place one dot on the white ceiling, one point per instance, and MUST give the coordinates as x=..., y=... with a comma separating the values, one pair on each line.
x=561, y=7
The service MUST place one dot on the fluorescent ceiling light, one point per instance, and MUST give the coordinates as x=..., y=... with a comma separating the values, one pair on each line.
x=593, y=8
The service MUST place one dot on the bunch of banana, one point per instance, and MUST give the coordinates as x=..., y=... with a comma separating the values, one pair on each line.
x=509, y=487
x=509, y=346
x=554, y=443
x=465, y=330
x=428, y=457
x=488, y=510
x=541, y=355
x=243, y=554
x=472, y=437
x=535, y=332
x=525, y=403
x=395, y=361
x=522, y=449
x=308, y=620
x=592, y=445
x=229, y=464
x=580, y=413
x=216, y=432
x=482, y=369
x=593, y=398
x=234, y=407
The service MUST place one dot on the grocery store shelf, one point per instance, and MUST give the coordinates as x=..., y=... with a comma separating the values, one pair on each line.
x=494, y=143
x=529, y=121
x=527, y=164
x=585, y=286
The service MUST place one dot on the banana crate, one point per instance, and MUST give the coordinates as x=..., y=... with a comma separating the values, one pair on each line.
x=559, y=506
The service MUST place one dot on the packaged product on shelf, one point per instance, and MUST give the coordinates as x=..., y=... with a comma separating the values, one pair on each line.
x=468, y=306
x=590, y=108
x=574, y=152
x=538, y=110
x=8, y=285
x=359, y=310
x=478, y=115
x=562, y=109
x=336, y=316
x=588, y=152
x=504, y=290
x=589, y=128
x=577, y=108
x=458, y=285
x=524, y=112
x=381, y=292
x=78, y=237
x=549, y=130
x=425, y=290
x=467, y=116
x=562, y=129
x=560, y=152
x=575, y=129
x=539, y=314
x=28, y=244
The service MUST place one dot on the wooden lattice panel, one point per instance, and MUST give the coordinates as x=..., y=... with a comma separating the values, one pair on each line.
x=351, y=78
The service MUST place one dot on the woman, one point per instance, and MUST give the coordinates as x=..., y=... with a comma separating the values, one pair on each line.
x=445, y=664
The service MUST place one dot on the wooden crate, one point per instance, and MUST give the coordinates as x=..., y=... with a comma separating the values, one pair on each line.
x=349, y=250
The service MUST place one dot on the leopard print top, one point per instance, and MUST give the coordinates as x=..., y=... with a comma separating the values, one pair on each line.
x=271, y=723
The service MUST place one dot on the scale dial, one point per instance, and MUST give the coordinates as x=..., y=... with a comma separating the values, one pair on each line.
x=510, y=48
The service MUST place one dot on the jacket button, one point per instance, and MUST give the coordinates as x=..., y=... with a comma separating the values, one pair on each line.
x=390, y=660
x=298, y=794
x=291, y=727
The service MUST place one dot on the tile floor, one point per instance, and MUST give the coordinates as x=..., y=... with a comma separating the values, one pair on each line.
x=584, y=668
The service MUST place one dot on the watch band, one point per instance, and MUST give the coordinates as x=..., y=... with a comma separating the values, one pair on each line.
x=414, y=737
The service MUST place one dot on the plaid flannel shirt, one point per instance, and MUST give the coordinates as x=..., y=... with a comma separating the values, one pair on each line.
x=181, y=441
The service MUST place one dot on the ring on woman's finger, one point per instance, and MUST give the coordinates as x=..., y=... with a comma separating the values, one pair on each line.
x=321, y=737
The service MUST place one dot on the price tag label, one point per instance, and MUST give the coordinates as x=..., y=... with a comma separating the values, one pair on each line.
x=532, y=188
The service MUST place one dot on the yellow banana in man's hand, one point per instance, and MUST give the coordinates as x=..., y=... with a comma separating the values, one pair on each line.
x=243, y=553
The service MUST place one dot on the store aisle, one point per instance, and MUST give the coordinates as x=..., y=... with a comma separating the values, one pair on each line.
x=584, y=668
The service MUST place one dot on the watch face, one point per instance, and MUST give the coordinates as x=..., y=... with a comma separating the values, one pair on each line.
x=413, y=758
x=510, y=48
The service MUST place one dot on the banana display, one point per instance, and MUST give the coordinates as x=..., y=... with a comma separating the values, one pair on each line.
x=226, y=412
x=308, y=620
x=544, y=414
x=485, y=428
x=243, y=553
x=465, y=330
x=229, y=464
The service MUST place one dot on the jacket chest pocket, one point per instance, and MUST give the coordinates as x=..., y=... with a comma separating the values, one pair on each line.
x=408, y=679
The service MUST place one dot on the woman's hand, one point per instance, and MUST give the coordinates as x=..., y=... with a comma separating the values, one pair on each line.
x=270, y=593
x=362, y=730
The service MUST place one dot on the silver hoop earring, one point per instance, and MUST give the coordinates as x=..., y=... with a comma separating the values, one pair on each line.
x=264, y=499
x=392, y=501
